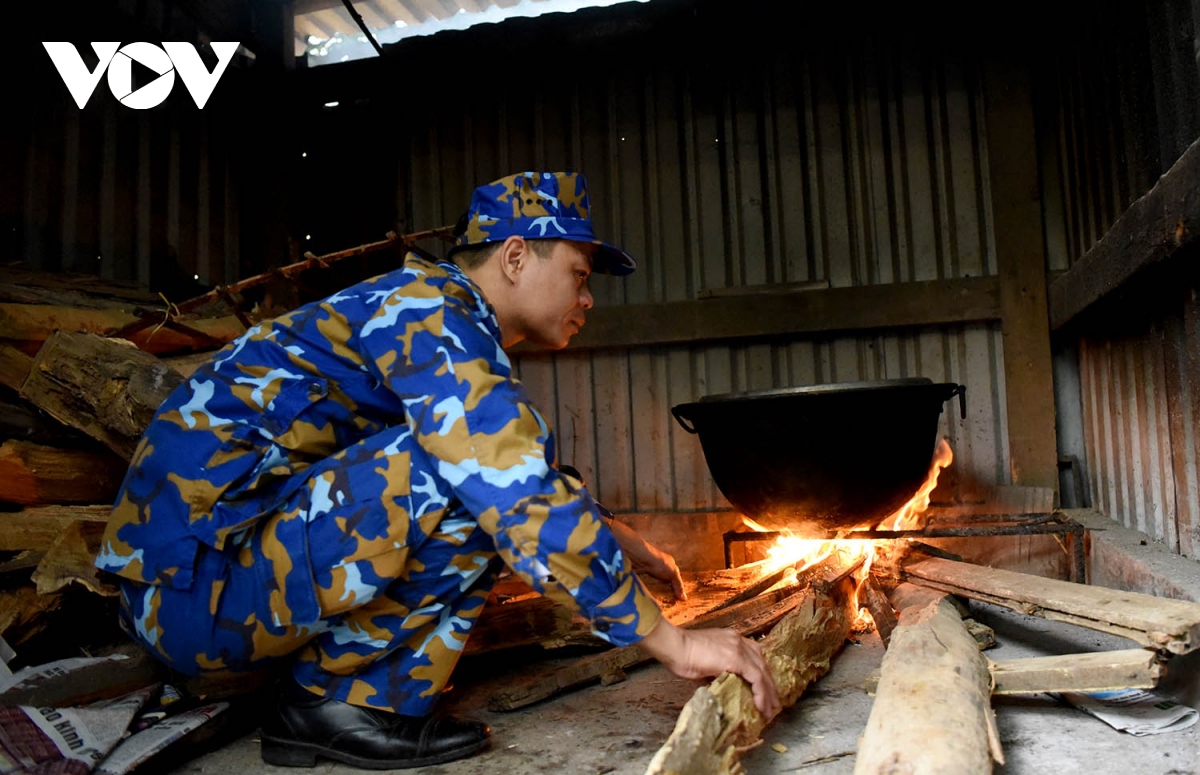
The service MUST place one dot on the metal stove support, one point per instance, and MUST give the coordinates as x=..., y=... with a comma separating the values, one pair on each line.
x=1053, y=523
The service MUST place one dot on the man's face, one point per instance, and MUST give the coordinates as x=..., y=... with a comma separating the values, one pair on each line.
x=554, y=294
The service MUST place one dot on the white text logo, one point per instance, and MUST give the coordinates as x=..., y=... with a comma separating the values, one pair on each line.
x=118, y=61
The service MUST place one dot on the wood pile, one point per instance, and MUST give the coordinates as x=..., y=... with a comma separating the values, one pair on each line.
x=74, y=401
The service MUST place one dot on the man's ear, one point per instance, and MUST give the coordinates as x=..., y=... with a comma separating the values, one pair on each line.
x=513, y=254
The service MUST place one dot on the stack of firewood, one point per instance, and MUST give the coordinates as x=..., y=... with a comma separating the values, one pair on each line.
x=74, y=401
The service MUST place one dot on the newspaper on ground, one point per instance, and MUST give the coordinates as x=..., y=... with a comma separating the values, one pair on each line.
x=71, y=741
x=139, y=747
x=1136, y=711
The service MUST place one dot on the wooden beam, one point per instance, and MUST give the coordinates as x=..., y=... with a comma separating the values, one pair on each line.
x=720, y=720
x=1093, y=672
x=37, y=322
x=104, y=387
x=932, y=711
x=863, y=308
x=1159, y=223
x=1021, y=264
x=39, y=527
x=1157, y=622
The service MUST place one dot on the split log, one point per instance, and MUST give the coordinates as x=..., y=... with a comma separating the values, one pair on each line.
x=23, y=613
x=14, y=367
x=880, y=608
x=34, y=475
x=721, y=718
x=104, y=387
x=34, y=323
x=608, y=667
x=1157, y=622
x=1093, y=672
x=38, y=528
x=931, y=714
x=71, y=559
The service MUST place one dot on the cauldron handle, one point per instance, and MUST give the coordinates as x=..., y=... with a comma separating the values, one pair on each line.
x=961, y=392
x=680, y=419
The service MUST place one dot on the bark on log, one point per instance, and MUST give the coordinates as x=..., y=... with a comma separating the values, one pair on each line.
x=38, y=528
x=721, y=718
x=34, y=475
x=104, y=387
x=932, y=712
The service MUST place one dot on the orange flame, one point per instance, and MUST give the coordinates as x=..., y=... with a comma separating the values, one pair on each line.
x=790, y=549
x=906, y=517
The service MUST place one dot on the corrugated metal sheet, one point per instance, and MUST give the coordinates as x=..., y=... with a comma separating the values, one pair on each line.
x=611, y=409
x=1096, y=157
x=1141, y=404
x=148, y=194
x=856, y=170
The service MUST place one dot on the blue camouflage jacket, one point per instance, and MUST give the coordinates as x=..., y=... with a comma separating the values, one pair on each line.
x=419, y=345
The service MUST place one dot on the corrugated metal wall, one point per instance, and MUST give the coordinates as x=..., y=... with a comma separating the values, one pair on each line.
x=151, y=193
x=1141, y=397
x=1140, y=379
x=852, y=167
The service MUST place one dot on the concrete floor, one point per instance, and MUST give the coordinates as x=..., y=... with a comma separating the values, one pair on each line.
x=617, y=729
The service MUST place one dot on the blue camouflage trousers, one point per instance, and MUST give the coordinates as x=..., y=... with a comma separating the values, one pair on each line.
x=369, y=573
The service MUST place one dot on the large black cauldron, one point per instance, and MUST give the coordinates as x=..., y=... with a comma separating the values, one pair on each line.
x=825, y=457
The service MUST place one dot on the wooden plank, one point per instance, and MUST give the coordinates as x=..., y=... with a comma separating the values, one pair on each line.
x=36, y=475
x=869, y=307
x=1158, y=224
x=932, y=712
x=1093, y=672
x=1158, y=622
x=104, y=387
x=1021, y=263
x=720, y=720
x=39, y=527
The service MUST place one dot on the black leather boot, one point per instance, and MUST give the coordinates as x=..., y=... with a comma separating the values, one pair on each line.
x=305, y=726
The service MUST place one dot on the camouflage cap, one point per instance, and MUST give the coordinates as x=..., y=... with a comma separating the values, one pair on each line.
x=538, y=205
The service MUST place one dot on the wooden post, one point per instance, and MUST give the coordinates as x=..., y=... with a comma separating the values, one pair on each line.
x=932, y=713
x=1017, y=226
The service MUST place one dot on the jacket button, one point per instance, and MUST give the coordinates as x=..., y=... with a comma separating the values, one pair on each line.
x=316, y=389
x=602, y=626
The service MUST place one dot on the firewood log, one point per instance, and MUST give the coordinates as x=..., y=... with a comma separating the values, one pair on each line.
x=35, y=475
x=104, y=387
x=932, y=713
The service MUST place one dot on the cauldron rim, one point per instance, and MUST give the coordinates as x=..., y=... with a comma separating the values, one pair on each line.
x=822, y=389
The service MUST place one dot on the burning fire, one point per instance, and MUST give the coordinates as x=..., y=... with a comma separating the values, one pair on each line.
x=803, y=553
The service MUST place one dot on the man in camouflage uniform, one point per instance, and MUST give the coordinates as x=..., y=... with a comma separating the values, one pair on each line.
x=341, y=484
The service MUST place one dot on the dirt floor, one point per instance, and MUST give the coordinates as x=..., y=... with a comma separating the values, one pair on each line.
x=617, y=729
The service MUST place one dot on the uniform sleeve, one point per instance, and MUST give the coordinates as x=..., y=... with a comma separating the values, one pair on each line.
x=493, y=447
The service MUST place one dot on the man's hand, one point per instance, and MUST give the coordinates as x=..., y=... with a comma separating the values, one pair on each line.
x=648, y=560
x=698, y=654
